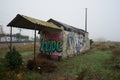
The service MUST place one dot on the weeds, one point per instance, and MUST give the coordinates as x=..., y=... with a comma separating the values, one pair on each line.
x=41, y=64
x=89, y=66
x=114, y=60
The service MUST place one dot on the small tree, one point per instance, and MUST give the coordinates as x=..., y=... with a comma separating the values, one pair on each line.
x=13, y=60
x=91, y=41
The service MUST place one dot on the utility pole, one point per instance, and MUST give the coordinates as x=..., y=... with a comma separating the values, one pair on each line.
x=86, y=19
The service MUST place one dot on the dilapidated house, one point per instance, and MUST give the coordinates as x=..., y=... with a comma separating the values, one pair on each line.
x=56, y=38
x=68, y=42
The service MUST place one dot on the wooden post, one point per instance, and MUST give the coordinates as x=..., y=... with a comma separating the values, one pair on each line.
x=10, y=38
x=34, y=43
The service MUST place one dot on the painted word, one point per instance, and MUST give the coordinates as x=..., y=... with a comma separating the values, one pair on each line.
x=50, y=46
x=51, y=43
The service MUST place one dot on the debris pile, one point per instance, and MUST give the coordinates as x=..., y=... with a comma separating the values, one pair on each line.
x=41, y=64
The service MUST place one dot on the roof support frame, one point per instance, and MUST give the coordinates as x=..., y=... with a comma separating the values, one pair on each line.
x=21, y=21
x=10, y=47
x=34, y=42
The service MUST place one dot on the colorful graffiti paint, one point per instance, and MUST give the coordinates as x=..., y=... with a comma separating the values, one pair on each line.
x=79, y=44
x=56, y=44
x=51, y=43
x=70, y=40
x=73, y=43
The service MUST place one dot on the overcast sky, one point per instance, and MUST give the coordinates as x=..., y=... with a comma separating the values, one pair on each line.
x=103, y=15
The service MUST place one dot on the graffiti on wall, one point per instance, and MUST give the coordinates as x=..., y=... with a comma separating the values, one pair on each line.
x=51, y=43
x=70, y=40
x=74, y=43
x=79, y=44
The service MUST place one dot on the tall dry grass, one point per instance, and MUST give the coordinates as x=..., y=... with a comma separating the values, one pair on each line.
x=22, y=48
x=105, y=45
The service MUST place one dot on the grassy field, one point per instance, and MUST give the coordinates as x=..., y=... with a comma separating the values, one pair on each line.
x=93, y=65
x=26, y=50
x=90, y=66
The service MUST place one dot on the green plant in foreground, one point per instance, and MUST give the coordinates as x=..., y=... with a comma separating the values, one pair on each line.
x=91, y=41
x=13, y=60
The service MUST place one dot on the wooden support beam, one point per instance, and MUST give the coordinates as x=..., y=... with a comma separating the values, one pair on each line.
x=10, y=38
x=34, y=42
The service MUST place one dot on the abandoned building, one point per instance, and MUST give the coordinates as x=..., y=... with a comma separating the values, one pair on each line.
x=56, y=38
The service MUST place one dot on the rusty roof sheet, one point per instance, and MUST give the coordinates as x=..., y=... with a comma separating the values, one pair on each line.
x=22, y=21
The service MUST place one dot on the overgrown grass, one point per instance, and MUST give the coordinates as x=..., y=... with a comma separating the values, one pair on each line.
x=93, y=63
x=32, y=76
x=25, y=50
x=27, y=54
x=89, y=66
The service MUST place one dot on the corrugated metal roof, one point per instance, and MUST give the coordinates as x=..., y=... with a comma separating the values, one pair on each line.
x=67, y=27
x=22, y=21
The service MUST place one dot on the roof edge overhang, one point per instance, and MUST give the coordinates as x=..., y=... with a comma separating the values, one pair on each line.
x=21, y=21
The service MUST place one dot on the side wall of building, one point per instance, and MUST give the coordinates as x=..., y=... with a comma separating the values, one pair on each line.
x=65, y=43
x=73, y=43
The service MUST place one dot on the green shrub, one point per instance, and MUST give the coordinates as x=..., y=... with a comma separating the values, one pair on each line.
x=13, y=60
x=91, y=42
